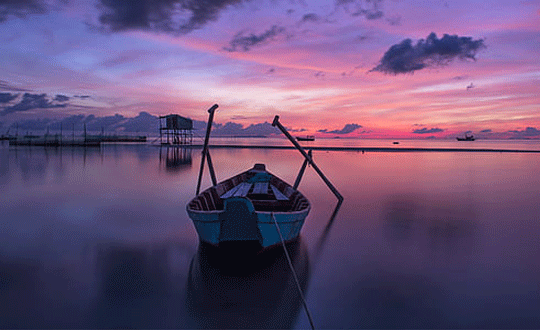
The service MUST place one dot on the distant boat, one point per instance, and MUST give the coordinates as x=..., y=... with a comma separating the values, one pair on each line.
x=243, y=208
x=395, y=142
x=306, y=138
x=466, y=138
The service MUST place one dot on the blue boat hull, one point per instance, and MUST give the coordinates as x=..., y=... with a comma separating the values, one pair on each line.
x=213, y=227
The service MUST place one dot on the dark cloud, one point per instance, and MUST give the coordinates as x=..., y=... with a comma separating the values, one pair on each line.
x=486, y=131
x=370, y=9
x=20, y=8
x=235, y=129
x=526, y=133
x=7, y=97
x=362, y=37
x=61, y=98
x=29, y=102
x=349, y=128
x=171, y=16
x=470, y=86
x=229, y=128
x=296, y=130
x=313, y=18
x=407, y=58
x=427, y=130
x=75, y=121
x=143, y=122
x=107, y=123
x=244, y=43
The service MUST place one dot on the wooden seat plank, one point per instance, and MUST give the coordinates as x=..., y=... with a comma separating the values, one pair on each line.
x=231, y=192
x=279, y=195
x=260, y=188
x=243, y=189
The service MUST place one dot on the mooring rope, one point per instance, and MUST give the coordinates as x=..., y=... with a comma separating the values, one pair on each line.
x=294, y=273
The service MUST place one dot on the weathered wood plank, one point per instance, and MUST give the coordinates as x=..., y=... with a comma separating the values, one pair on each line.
x=260, y=188
x=279, y=195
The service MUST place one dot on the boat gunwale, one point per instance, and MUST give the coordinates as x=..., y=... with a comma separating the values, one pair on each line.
x=252, y=170
x=307, y=209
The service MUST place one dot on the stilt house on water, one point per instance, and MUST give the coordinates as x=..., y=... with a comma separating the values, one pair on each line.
x=175, y=130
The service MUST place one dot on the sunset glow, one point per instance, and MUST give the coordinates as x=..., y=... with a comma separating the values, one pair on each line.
x=470, y=66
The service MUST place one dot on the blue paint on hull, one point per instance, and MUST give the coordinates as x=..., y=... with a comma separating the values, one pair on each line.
x=209, y=225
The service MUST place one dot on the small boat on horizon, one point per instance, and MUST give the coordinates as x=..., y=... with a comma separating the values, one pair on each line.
x=306, y=138
x=466, y=138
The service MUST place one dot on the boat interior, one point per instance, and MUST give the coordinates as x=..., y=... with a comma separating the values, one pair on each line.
x=266, y=191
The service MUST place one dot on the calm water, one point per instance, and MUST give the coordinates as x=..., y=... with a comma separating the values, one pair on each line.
x=99, y=238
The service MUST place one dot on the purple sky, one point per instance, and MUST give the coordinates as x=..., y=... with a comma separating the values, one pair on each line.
x=379, y=68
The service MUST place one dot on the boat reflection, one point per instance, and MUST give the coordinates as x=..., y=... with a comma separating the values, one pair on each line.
x=222, y=293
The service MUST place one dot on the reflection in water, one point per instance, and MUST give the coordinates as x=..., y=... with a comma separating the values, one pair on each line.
x=321, y=242
x=34, y=162
x=111, y=286
x=444, y=228
x=19, y=287
x=267, y=297
x=139, y=286
x=175, y=158
x=393, y=300
x=431, y=240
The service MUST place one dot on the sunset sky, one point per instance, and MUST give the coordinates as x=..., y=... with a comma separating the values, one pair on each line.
x=358, y=68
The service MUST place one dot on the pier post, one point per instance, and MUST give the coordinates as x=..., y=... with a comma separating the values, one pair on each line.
x=302, y=169
x=307, y=157
x=205, y=149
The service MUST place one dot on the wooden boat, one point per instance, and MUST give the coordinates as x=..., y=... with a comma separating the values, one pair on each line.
x=306, y=138
x=466, y=138
x=247, y=207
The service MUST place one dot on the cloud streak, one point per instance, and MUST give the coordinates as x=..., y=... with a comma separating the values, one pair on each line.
x=5, y=86
x=426, y=130
x=348, y=128
x=407, y=57
x=245, y=42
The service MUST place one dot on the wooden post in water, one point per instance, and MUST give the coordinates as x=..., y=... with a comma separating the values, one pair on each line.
x=205, y=150
x=302, y=169
x=307, y=157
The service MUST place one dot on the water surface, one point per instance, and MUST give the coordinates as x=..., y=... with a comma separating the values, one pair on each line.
x=99, y=238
